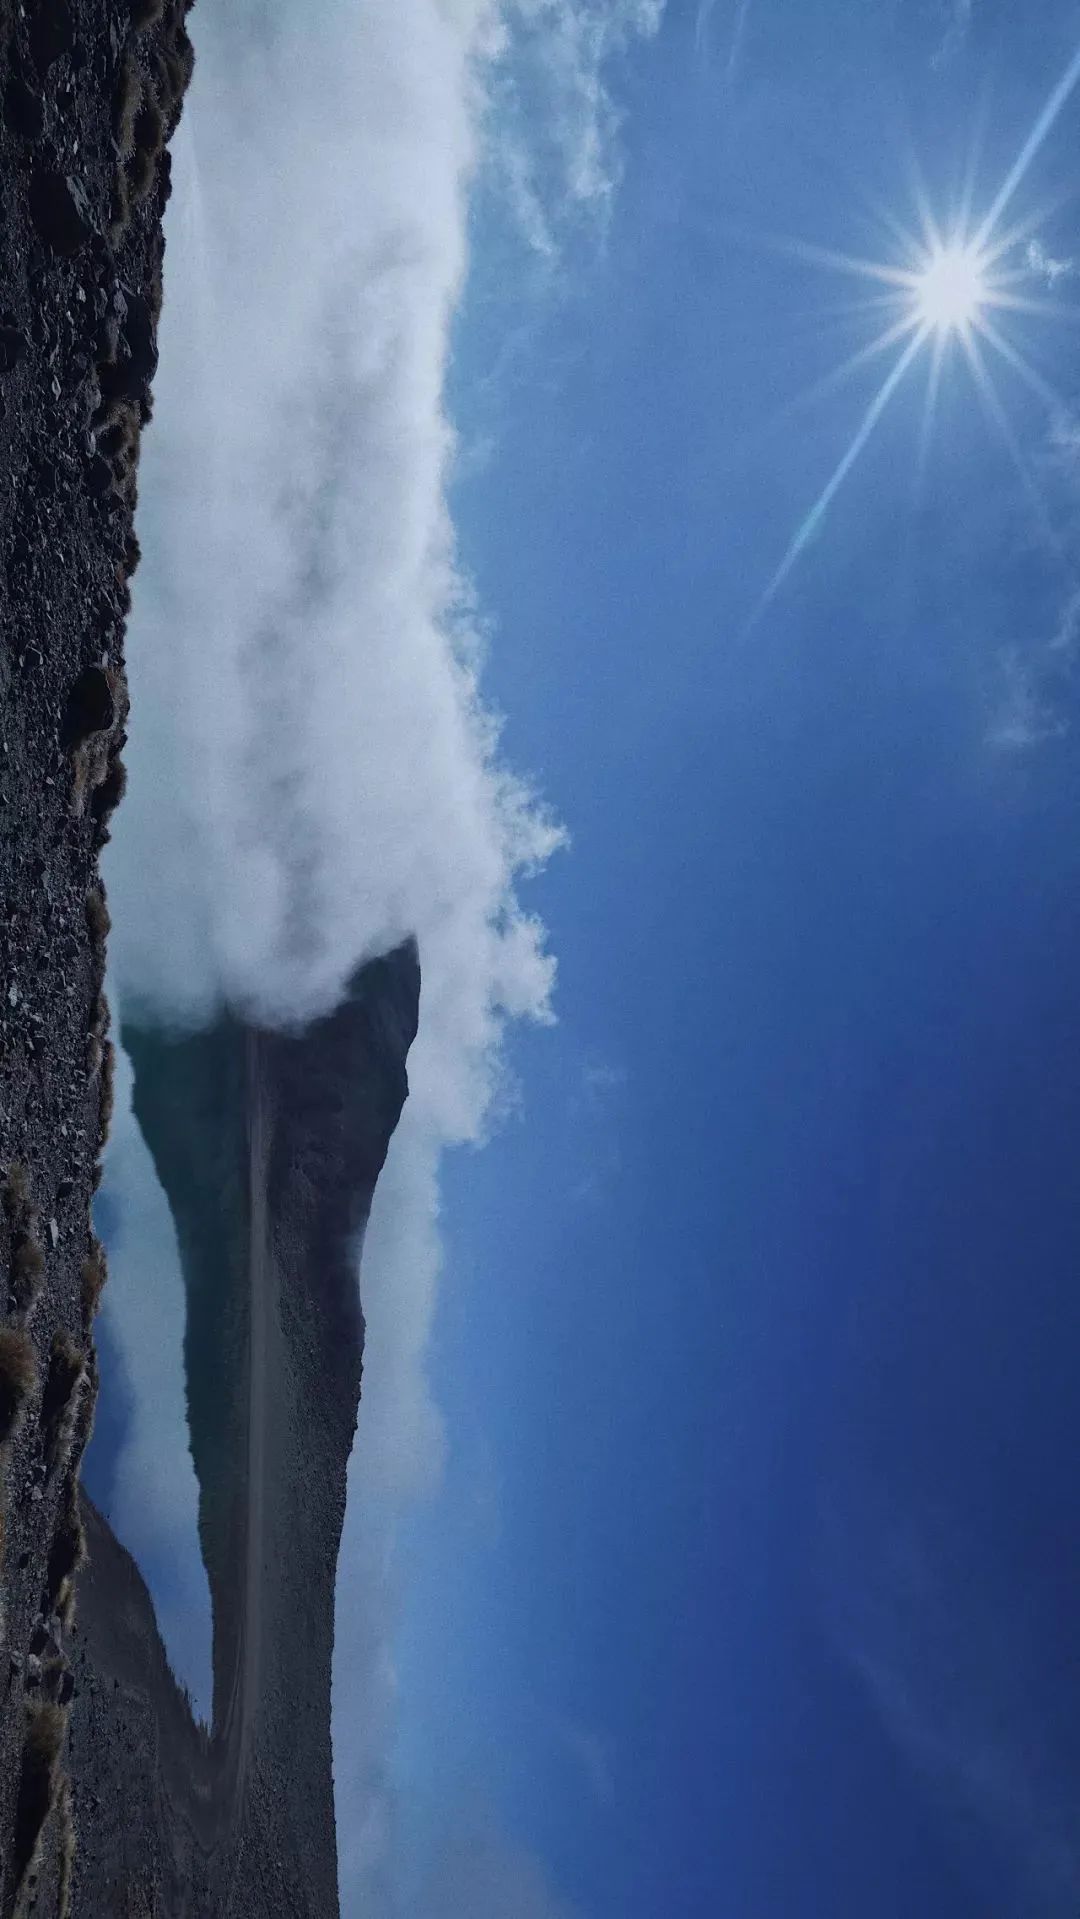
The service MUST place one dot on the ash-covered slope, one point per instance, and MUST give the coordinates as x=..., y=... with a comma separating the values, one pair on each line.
x=90, y=92
x=268, y=1146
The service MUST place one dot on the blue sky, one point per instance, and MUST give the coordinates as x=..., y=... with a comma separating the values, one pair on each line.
x=747, y=1587
x=768, y=1284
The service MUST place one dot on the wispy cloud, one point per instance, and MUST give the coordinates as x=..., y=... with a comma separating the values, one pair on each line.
x=738, y=34
x=594, y=1111
x=739, y=14
x=1027, y=710
x=957, y=25
x=1033, y=696
x=706, y=9
x=552, y=120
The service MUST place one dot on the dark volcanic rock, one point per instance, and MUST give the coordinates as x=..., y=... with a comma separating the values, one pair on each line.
x=24, y=109
x=12, y=347
x=99, y=476
x=61, y=211
x=126, y=374
x=51, y=32
x=63, y=560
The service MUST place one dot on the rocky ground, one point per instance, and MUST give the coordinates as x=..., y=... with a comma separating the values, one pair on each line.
x=90, y=91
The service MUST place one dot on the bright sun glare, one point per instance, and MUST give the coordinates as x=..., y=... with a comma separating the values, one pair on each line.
x=951, y=289
x=973, y=290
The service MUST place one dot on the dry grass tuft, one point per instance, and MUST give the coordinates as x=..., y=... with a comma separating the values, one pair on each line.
x=97, y=917
x=171, y=68
x=60, y=1399
x=149, y=127
x=84, y=1414
x=123, y=593
x=184, y=52
x=27, y=1268
x=119, y=208
x=109, y=792
x=38, y=1782
x=67, y=1852
x=126, y=103
x=17, y=1190
x=89, y=765
x=68, y=1550
x=155, y=294
x=18, y=1376
x=140, y=174
x=148, y=136
x=108, y=1090
x=170, y=80
x=95, y=1272
x=119, y=439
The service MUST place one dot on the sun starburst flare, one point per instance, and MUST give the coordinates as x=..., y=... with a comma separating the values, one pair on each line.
x=948, y=289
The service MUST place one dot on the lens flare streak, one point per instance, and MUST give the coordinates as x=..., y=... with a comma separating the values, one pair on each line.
x=825, y=498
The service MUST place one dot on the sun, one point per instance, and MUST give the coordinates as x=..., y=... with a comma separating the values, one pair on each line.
x=950, y=288
x=964, y=283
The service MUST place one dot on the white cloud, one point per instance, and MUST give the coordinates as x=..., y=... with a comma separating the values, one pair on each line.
x=1033, y=695
x=314, y=774
x=958, y=16
x=602, y=1081
x=1025, y=714
x=1045, y=266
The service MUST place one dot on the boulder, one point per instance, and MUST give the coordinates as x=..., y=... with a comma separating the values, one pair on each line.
x=61, y=211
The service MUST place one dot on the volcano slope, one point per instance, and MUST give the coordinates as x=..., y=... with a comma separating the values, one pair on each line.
x=90, y=92
x=268, y=1146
